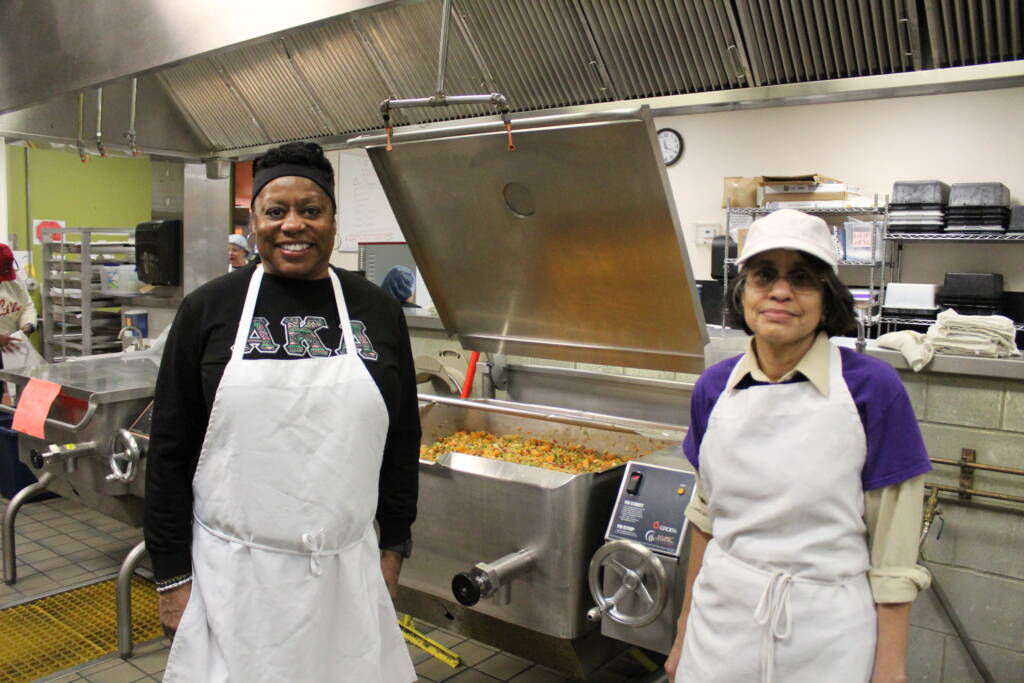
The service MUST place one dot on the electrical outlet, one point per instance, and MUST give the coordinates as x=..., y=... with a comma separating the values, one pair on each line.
x=707, y=231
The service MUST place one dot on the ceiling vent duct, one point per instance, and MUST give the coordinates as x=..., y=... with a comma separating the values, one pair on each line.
x=965, y=32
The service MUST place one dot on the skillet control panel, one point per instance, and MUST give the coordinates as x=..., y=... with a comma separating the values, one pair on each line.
x=650, y=507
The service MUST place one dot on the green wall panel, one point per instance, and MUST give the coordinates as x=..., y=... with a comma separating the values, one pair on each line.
x=102, y=193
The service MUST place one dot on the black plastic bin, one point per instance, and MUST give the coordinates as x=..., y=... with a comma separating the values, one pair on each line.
x=14, y=474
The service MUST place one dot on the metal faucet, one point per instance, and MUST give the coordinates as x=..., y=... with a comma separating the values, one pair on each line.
x=130, y=338
x=862, y=307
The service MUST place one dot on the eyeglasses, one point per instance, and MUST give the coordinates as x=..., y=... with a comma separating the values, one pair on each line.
x=763, y=278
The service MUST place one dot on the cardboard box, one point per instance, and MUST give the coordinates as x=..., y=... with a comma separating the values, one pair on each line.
x=805, y=192
x=743, y=192
x=740, y=193
x=856, y=202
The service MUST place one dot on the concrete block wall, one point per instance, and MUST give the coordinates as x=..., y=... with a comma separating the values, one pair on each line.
x=979, y=558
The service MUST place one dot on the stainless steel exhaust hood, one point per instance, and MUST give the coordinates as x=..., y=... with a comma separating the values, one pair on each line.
x=326, y=81
x=322, y=73
x=567, y=248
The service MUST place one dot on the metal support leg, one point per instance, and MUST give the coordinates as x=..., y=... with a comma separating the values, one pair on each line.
x=124, y=599
x=10, y=556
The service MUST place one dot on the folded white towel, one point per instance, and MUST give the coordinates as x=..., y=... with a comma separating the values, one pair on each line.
x=971, y=348
x=914, y=346
x=976, y=335
x=996, y=325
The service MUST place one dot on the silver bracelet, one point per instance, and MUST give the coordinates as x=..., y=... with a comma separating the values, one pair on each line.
x=176, y=584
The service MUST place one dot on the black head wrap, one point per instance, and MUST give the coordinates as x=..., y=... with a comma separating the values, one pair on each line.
x=319, y=176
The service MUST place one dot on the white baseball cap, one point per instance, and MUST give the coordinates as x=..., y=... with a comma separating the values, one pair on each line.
x=239, y=241
x=790, y=229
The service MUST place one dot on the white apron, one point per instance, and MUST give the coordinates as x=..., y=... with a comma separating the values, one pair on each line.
x=783, y=593
x=286, y=582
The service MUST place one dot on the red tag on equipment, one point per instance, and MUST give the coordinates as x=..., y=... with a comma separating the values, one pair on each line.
x=33, y=407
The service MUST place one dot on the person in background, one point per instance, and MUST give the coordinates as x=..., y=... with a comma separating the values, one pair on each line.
x=285, y=421
x=238, y=251
x=17, y=312
x=17, y=315
x=400, y=282
x=807, y=510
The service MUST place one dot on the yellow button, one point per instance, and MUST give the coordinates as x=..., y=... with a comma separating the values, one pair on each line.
x=681, y=490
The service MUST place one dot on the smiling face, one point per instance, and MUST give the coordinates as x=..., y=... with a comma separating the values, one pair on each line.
x=294, y=224
x=781, y=314
x=236, y=256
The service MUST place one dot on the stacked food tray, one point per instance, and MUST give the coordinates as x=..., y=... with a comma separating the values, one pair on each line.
x=918, y=206
x=1016, y=219
x=973, y=293
x=910, y=300
x=978, y=208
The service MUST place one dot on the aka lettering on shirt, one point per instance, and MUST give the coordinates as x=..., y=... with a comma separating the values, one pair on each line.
x=302, y=338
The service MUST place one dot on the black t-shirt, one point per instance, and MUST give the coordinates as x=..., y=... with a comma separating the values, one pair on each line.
x=294, y=319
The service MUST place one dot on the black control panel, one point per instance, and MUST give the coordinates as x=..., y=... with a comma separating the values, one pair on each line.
x=650, y=507
x=143, y=422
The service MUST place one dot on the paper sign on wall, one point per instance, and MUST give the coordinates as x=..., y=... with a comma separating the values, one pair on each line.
x=364, y=213
x=37, y=230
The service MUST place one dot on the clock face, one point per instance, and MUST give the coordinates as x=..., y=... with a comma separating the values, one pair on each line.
x=671, y=143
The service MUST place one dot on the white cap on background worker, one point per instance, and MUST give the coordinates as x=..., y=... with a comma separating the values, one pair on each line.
x=238, y=251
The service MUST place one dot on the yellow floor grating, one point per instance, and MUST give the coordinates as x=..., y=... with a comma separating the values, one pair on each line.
x=45, y=636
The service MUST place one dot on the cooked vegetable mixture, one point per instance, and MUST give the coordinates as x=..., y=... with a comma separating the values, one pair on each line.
x=526, y=451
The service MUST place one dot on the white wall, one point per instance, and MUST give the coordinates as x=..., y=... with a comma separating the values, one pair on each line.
x=961, y=137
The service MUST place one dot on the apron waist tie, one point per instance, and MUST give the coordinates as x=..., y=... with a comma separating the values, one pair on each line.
x=771, y=611
x=312, y=544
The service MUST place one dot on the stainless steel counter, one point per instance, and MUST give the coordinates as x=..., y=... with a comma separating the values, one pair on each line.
x=105, y=380
x=972, y=366
x=416, y=319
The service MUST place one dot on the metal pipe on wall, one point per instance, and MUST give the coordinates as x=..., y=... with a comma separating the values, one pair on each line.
x=978, y=466
x=932, y=510
x=975, y=492
x=442, y=57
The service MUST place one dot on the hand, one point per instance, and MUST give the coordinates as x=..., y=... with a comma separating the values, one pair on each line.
x=391, y=567
x=672, y=663
x=172, y=606
x=8, y=343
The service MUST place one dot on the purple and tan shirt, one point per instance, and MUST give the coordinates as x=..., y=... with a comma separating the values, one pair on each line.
x=895, y=461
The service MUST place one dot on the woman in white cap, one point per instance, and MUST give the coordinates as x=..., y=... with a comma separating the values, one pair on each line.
x=803, y=560
x=238, y=251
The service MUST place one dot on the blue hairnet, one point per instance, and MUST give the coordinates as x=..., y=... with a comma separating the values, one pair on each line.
x=399, y=282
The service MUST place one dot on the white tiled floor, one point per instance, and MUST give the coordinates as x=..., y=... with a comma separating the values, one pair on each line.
x=62, y=544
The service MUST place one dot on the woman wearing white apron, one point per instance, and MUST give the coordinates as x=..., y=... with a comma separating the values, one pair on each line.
x=804, y=547
x=286, y=580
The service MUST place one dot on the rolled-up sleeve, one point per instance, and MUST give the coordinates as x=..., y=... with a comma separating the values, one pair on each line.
x=893, y=518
